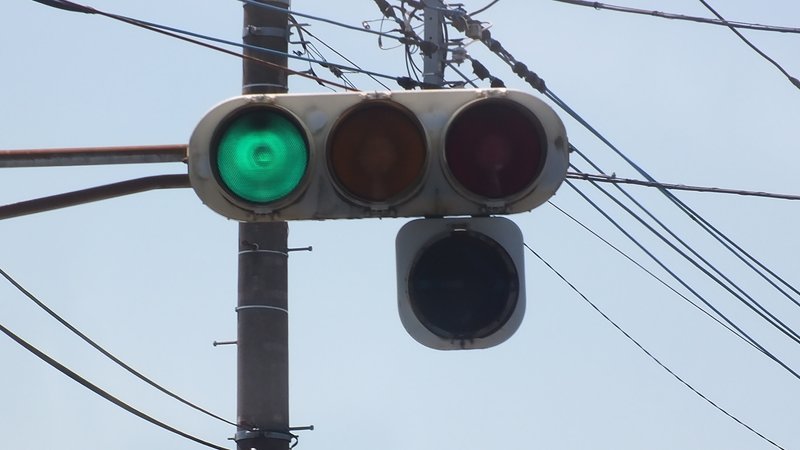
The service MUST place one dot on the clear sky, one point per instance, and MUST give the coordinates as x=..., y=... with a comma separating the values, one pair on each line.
x=152, y=277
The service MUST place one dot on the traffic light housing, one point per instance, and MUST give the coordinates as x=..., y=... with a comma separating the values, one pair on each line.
x=433, y=153
x=460, y=281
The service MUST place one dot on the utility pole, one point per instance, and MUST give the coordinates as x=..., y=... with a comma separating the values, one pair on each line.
x=433, y=64
x=262, y=394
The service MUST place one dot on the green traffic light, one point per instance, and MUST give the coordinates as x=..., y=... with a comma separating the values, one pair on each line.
x=262, y=156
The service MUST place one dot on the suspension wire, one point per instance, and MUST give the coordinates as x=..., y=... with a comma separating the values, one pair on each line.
x=747, y=263
x=311, y=50
x=723, y=239
x=792, y=79
x=695, y=253
x=75, y=7
x=652, y=275
x=94, y=388
x=462, y=21
x=731, y=245
x=665, y=15
x=404, y=82
x=105, y=352
x=478, y=11
x=462, y=75
x=269, y=51
x=317, y=18
x=752, y=304
x=694, y=292
x=409, y=37
x=613, y=179
x=306, y=31
x=650, y=355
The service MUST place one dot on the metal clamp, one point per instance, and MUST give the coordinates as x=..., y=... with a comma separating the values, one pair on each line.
x=245, y=435
x=255, y=248
x=274, y=308
x=277, y=32
x=274, y=252
x=255, y=434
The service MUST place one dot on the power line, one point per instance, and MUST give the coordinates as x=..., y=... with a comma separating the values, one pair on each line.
x=408, y=38
x=404, y=82
x=478, y=11
x=411, y=39
x=792, y=79
x=320, y=19
x=271, y=52
x=665, y=15
x=694, y=292
x=723, y=239
x=602, y=178
x=473, y=28
x=646, y=352
x=105, y=352
x=731, y=287
x=305, y=30
x=651, y=274
x=75, y=7
x=712, y=231
x=94, y=388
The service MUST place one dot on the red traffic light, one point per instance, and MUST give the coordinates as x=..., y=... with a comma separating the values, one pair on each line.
x=495, y=149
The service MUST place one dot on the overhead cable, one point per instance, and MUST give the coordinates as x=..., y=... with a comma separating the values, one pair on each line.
x=358, y=68
x=94, y=388
x=648, y=353
x=75, y=7
x=478, y=11
x=321, y=19
x=728, y=284
x=602, y=178
x=473, y=28
x=405, y=82
x=105, y=352
x=694, y=292
x=792, y=79
x=723, y=239
x=666, y=15
x=651, y=274
x=726, y=242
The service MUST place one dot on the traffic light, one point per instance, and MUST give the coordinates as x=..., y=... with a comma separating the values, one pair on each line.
x=460, y=281
x=435, y=153
x=454, y=157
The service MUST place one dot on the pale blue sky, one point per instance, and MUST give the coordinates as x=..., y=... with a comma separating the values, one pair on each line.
x=152, y=277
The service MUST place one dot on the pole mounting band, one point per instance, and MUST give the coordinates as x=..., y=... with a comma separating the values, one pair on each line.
x=275, y=308
x=272, y=252
x=245, y=435
x=277, y=32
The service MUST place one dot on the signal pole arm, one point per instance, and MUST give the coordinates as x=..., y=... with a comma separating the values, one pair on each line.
x=89, y=156
x=94, y=194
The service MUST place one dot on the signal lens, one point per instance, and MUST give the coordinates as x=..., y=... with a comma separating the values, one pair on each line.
x=377, y=152
x=463, y=286
x=262, y=155
x=495, y=149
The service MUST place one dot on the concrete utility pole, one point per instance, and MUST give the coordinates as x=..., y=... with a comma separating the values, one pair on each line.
x=262, y=395
x=433, y=65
